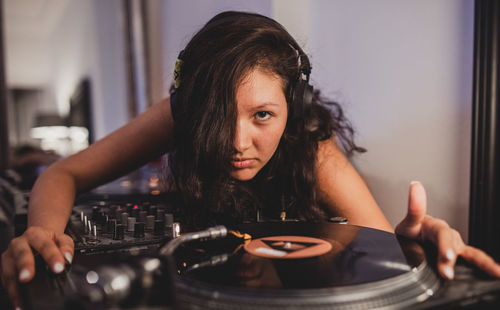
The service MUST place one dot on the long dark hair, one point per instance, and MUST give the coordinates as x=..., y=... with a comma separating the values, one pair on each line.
x=214, y=63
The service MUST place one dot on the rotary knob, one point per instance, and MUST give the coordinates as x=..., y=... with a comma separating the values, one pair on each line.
x=131, y=223
x=119, y=232
x=139, y=230
x=159, y=228
x=150, y=222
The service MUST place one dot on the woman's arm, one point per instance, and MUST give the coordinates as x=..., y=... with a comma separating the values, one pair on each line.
x=146, y=137
x=343, y=191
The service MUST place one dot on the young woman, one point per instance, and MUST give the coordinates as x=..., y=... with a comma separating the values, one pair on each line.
x=246, y=134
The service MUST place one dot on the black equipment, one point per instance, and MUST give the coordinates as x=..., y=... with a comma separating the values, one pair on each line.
x=365, y=269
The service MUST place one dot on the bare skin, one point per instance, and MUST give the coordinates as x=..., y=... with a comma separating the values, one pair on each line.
x=262, y=115
x=344, y=191
x=148, y=136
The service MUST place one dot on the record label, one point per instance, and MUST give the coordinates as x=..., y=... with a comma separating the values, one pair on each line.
x=288, y=247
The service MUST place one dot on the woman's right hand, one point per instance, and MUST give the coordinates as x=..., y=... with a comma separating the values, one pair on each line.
x=18, y=261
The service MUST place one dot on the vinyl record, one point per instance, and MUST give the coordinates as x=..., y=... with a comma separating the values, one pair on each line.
x=304, y=265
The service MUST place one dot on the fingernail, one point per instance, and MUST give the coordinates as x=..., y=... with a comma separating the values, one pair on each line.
x=24, y=274
x=69, y=257
x=58, y=267
x=450, y=254
x=414, y=182
x=448, y=272
x=18, y=308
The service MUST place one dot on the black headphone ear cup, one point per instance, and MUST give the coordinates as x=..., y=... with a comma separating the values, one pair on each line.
x=174, y=107
x=307, y=97
x=301, y=96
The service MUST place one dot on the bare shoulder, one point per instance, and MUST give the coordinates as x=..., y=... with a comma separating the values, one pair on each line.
x=342, y=190
x=329, y=156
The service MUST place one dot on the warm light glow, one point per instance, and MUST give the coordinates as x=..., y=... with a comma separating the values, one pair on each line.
x=61, y=139
x=153, y=181
x=49, y=132
x=152, y=264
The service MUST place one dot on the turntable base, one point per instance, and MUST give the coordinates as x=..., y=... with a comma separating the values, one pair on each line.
x=365, y=269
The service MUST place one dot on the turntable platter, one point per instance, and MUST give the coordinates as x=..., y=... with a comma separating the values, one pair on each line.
x=362, y=268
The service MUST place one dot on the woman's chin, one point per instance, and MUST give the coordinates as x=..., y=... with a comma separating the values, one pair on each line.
x=243, y=174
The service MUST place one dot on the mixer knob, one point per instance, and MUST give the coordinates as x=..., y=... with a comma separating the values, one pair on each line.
x=152, y=210
x=169, y=219
x=159, y=228
x=119, y=232
x=142, y=216
x=95, y=213
x=135, y=211
x=160, y=214
x=119, y=213
x=128, y=207
x=139, y=230
x=111, y=226
x=123, y=218
x=112, y=211
x=104, y=224
x=150, y=222
x=102, y=218
x=146, y=206
x=130, y=223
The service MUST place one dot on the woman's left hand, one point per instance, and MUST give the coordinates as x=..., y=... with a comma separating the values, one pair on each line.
x=422, y=227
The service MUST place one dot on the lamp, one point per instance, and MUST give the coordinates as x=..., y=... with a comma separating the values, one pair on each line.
x=54, y=134
x=49, y=126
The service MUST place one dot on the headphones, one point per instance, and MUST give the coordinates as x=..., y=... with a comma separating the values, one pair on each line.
x=300, y=92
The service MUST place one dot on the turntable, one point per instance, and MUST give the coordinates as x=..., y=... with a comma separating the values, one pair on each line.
x=299, y=265
x=286, y=265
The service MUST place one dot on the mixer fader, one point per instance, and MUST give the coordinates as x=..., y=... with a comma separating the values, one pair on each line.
x=107, y=226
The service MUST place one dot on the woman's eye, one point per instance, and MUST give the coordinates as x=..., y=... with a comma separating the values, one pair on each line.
x=262, y=115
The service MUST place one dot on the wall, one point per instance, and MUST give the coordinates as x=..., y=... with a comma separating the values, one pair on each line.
x=108, y=71
x=88, y=42
x=403, y=72
x=401, y=69
x=79, y=39
x=181, y=20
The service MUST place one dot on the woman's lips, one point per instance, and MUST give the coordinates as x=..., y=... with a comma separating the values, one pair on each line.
x=243, y=163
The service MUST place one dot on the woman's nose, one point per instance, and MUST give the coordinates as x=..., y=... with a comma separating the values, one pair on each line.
x=242, y=137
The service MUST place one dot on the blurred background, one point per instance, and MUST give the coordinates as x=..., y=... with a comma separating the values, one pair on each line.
x=78, y=69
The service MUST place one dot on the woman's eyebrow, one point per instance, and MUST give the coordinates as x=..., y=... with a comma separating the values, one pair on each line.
x=266, y=104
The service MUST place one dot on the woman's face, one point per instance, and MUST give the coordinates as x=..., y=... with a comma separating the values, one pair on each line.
x=260, y=123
